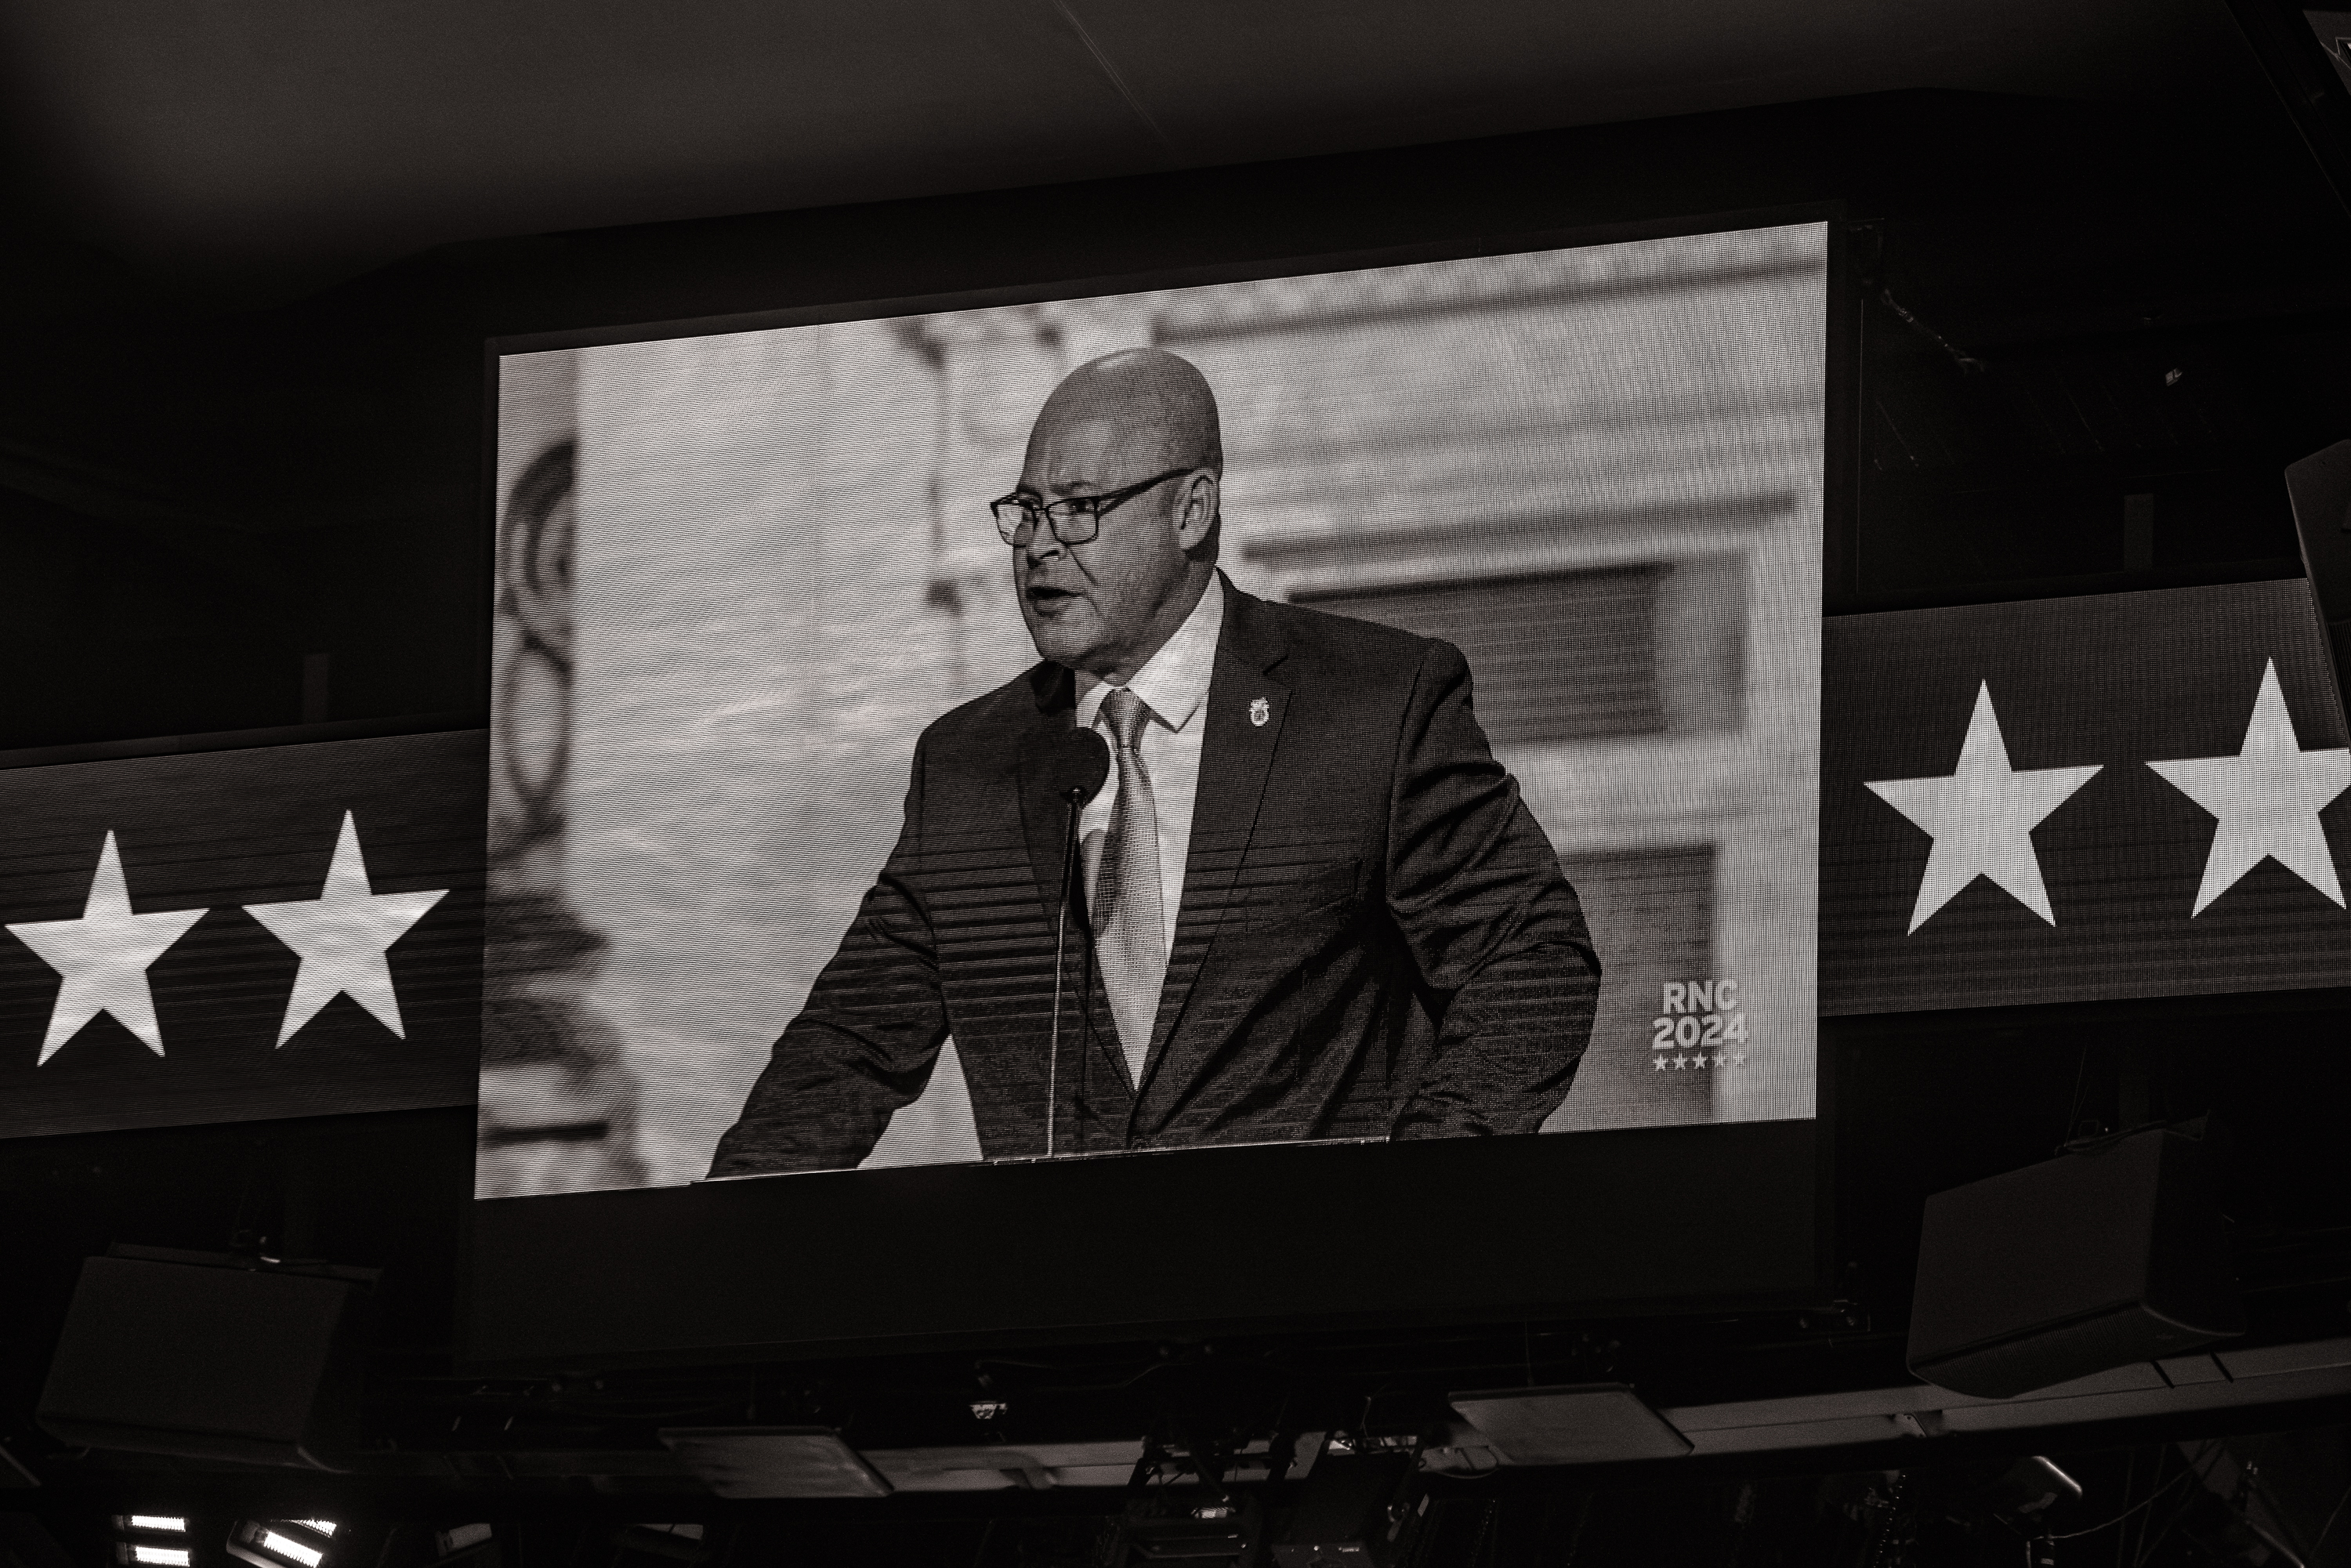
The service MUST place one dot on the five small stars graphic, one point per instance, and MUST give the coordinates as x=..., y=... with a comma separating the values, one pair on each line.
x=342, y=937
x=1718, y=1059
x=2266, y=798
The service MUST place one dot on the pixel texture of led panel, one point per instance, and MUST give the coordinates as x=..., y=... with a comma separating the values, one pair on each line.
x=741, y=574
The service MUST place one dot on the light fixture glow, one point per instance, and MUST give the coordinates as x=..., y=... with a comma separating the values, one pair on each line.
x=156, y=1521
x=308, y=1556
x=162, y=1556
x=323, y=1526
x=459, y=1537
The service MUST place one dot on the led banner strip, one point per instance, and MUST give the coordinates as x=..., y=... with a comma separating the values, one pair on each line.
x=2080, y=800
x=2064, y=799
x=282, y=930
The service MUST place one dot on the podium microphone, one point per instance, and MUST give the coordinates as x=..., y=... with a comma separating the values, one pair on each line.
x=1072, y=767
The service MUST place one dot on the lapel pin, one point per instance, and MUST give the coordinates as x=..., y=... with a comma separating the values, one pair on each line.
x=1260, y=710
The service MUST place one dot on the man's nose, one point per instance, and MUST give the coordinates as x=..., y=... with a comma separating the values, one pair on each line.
x=1042, y=546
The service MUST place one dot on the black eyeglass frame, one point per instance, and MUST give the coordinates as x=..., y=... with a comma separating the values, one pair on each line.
x=1058, y=513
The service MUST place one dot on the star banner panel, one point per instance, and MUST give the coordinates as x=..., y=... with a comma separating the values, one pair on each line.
x=2074, y=799
x=236, y=936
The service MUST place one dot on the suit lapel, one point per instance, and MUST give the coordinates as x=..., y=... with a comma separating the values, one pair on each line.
x=1244, y=717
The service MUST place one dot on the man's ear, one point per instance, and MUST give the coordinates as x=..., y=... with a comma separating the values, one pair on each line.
x=1195, y=511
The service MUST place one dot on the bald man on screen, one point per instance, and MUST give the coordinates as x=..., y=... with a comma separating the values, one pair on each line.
x=1312, y=905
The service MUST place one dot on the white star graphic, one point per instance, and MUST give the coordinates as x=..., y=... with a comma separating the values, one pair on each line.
x=104, y=956
x=2268, y=798
x=342, y=936
x=1983, y=818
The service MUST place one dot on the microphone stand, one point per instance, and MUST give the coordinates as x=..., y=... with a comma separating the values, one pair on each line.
x=1075, y=796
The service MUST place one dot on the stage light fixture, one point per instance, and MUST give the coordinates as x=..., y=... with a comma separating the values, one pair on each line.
x=146, y=1541
x=279, y=1546
x=677, y=1542
x=2116, y=1251
x=1360, y=1510
x=773, y=1461
x=281, y=1542
x=474, y=1545
x=460, y=1538
x=206, y=1356
x=1573, y=1424
x=2031, y=1485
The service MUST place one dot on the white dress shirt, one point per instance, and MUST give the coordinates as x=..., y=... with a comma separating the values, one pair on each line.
x=1174, y=684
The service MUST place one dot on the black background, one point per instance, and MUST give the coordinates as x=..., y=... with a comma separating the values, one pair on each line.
x=1678, y=1217
x=308, y=477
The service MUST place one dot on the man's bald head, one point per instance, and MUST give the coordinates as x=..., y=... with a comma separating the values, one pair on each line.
x=1156, y=406
x=1139, y=427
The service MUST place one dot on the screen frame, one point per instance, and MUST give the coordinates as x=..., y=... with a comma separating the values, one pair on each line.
x=597, y=1279
x=658, y=1276
x=1045, y=289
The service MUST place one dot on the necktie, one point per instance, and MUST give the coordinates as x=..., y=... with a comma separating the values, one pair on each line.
x=1127, y=930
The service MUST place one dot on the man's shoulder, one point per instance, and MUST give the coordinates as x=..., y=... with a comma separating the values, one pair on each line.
x=1362, y=650
x=988, y=721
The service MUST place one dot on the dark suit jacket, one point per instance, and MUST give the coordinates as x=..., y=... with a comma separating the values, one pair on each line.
x=1374, y=941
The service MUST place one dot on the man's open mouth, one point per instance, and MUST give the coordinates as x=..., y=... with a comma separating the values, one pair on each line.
x=1046, y=598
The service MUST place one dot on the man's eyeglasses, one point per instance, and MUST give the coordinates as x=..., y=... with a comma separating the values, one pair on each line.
x=1073, y=521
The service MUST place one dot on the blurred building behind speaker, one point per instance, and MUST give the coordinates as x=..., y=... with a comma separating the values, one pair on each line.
x=2109, y=1255
x=208, y=1356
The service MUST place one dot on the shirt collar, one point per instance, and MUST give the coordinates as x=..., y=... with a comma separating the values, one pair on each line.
x=1174, y=682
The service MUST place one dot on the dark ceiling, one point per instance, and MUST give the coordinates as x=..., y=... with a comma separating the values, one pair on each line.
x=246, y=149
x=257, y=246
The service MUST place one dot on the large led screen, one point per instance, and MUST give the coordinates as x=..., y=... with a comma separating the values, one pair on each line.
x=1451, y=633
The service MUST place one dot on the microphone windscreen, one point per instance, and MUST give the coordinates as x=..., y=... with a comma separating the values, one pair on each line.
x=1073, y=764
